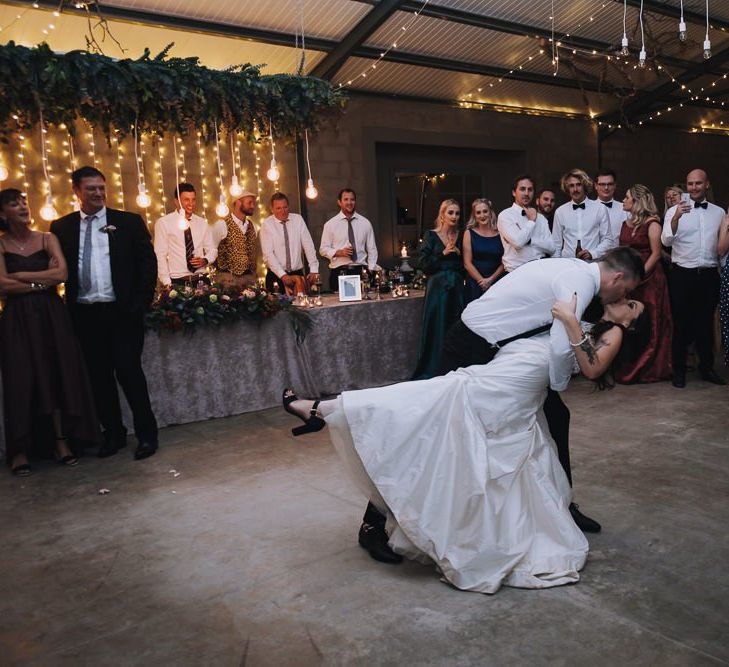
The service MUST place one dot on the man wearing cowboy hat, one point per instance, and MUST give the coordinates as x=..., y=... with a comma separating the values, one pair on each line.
x=237, y=244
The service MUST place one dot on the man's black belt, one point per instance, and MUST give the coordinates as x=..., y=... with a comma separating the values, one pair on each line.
x=526, y=334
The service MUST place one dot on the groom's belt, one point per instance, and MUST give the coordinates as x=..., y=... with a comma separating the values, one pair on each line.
x=526, y=334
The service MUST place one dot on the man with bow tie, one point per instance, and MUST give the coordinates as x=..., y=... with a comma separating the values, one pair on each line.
x=691, y=228
x=581, y=226
x=524, y=231
x=605, y=181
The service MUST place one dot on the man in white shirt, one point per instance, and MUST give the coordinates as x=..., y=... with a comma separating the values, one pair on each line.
x=581, y=226
x=237, y=243
x=605, y=184
x=347, y=238
x=691, y=228
x=524, y=231
x=285, y=239
x=183, y=241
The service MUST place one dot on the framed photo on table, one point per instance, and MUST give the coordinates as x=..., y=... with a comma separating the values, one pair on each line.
x=350, y=288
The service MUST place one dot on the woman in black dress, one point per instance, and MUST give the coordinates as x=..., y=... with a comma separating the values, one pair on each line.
x=42, y=369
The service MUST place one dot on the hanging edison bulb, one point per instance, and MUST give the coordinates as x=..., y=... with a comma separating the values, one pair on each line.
x=221, y=210
x=273, y=173
x=682, y=30
x=48, y=212
x=641, y=58
x=624, y=50
x=311, y=191
x=235, y=189
x=182, y=220
x=3, y=172
x=707, y=48
x=143, y=199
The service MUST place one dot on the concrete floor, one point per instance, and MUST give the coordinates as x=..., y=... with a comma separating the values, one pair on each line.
x=249, y=556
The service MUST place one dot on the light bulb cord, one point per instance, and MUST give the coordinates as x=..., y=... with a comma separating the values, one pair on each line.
x=217, y=152
x=140, y=172
x=270, y=134
x=625, y=19
x=707, y=20
x=234, y=164
x=306, y=140
x=177, y=169
x=44, y=157
x=642, y=36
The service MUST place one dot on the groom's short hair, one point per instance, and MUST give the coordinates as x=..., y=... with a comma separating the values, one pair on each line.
x=626, y=261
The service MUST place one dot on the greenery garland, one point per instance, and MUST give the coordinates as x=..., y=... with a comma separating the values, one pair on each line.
x=187, y=308
x=160, y=94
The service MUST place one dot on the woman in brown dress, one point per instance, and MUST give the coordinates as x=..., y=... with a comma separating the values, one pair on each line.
x=642, y=231
x=42, y=369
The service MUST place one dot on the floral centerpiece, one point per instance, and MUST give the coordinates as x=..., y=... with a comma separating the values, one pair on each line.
x=186, y=308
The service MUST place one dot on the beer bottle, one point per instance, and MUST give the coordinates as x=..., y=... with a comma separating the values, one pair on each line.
x=578, y=248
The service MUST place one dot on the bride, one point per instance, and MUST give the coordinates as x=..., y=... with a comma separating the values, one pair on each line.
x=463, y=465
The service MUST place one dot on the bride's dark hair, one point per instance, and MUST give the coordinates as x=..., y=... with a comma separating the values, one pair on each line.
x=635, y=340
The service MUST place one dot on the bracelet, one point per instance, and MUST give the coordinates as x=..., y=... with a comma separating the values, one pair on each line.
x=585, y=338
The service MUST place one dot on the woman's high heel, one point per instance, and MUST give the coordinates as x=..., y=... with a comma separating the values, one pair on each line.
x=68, y=459
x=311, y=425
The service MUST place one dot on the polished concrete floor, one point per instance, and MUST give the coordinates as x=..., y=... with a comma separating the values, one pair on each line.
x=236, y=545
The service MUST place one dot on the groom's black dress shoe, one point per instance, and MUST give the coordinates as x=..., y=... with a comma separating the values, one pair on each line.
x=144, y=450
x=584, y=523
x=373, y=539
x=711, y=376
x=679, y=379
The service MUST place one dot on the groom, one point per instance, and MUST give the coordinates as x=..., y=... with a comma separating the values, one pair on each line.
x=519, y=306
x=112, y=273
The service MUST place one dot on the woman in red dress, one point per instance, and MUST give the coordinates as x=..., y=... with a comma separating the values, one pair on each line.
x=642, y=231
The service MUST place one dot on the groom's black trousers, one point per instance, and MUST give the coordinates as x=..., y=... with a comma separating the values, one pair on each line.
x=461, y=348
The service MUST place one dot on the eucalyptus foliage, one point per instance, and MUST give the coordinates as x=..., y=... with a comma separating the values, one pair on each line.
x=160, y=94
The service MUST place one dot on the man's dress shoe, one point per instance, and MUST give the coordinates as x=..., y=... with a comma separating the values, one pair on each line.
x=711, y=376
x=373, y=539
x=679, y=379
x=144, y=450
x=110, y=447
x=584, y=523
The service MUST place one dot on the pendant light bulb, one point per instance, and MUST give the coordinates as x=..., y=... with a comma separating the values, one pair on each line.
x=182, y=220
x=221, y=210
x=624, y=50
x=273, y=173
x=48, y=212
x=707, y=48
x=641, y=58
x=143, y=199
x=3, y=172
x=311, y=191
x=235, y=189
x=682, y=30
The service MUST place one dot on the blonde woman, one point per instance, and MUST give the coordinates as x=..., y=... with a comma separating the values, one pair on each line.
x=482, y=250
x=642, y=232
x=441, y=258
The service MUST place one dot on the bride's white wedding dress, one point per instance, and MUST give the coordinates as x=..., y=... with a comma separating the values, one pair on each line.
x=467, y=471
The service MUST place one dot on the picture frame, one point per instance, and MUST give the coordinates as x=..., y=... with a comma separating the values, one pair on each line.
x=350, y=288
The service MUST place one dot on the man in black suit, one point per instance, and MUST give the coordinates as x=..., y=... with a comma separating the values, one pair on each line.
x=112, y=272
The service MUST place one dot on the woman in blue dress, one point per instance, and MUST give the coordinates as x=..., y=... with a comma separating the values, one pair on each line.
x=440, y=258
x=482, y=250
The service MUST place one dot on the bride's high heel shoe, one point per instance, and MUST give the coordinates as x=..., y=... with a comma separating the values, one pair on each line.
x=311, y=425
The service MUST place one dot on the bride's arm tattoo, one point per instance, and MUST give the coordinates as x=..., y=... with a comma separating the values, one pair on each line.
x=590, y=347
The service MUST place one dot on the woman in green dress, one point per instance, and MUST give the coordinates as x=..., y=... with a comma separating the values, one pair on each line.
x=440, y=258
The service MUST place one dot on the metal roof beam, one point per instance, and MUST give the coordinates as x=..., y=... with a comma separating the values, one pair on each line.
x=335, y=59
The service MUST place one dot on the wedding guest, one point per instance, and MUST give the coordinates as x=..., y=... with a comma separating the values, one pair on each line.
x=691, y=229
x=642, y=232
x=581, y=226
x=184, y=249
x=482, y=250
x=43, y=372
x=524, y=231
x=440, y=258
x=285, y=239
x=347, y=238
x=546, y=200
x=112, y=272
x=723, y=250
x=671, y=197
x=605, y=183
x=237, y=244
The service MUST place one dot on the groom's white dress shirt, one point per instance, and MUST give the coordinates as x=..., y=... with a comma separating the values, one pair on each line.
x=523, y=300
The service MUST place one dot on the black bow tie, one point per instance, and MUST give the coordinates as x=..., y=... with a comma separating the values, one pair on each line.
x=523, y=212
x=609, y=204
x=703, y=204
x=576, y=206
